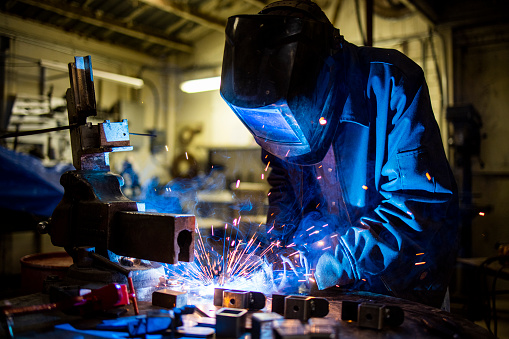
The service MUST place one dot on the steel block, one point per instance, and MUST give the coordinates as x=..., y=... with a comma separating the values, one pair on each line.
x=371, y=315
x=169, y=298
x=230, y=322
x=305, y=307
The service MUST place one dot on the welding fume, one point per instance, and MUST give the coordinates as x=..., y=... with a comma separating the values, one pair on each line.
x=360, y=185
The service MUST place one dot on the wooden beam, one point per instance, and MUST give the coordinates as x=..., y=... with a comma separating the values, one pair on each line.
x=84, y=16
x=200, y=19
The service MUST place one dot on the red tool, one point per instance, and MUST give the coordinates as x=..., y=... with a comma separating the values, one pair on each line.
x=101, y=299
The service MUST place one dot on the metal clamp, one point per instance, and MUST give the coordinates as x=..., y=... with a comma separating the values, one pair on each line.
x=239, y=299
x=299, y=307
x=372, y=315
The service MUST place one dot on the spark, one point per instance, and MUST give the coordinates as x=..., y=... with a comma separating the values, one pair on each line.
x=325, y=225
x=428, y=176
x=288, y=152
x=481, y=214
x=320, y=243
x=364, y=187
x=294, y=253
x=270, y=229
x=238, y=184
x=319, y=177
x=267, y=167
x=262, y=176
x=420, y=263
x=310, y=228
x=166, y=146
x=419, y=253
x=187, y=157
x=315, y=232
x=269, y=193
x=333, y=236
x=326, y=248
x=323, y=121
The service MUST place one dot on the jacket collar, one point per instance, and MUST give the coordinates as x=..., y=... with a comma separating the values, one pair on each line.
x=355, y=108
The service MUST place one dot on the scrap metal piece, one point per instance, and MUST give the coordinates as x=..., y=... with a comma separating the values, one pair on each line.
x=299, y=307
x=169, y=298
x=289, y=329
x=230, y=322
x=262, y=323
x=236, y=299
x=349, y=310
x=239, y=299
x=218, y=296
x=371, y=315
x=278, y=303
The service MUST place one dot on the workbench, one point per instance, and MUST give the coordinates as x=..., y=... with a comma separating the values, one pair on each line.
x=420, y=321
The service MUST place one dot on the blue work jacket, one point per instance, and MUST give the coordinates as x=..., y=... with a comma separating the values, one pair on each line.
x=380, y=212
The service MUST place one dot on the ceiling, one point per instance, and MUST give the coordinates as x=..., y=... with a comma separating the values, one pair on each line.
x=160, y=28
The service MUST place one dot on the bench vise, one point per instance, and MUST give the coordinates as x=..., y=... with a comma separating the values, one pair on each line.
x=93, y=211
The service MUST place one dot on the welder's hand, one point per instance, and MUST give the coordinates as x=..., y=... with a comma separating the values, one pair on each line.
x=333, y=269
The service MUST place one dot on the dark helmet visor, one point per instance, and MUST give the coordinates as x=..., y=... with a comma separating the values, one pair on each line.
x=277, y=77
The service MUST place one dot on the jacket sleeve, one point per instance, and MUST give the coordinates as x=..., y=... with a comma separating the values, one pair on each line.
x=403, y=244
x=294, y=193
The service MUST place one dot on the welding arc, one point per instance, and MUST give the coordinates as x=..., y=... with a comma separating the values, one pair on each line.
x=36, y=131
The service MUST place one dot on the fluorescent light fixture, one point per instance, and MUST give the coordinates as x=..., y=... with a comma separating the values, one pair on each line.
x=122, y=79
x=201, y=85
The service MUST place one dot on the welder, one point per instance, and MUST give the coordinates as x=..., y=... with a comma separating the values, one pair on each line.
x=360, y=183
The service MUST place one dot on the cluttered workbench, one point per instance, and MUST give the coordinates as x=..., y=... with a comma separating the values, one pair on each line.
x=331, y=314
x=122, y=282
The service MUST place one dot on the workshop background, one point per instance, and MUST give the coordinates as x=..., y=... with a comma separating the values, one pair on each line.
x=143, y=50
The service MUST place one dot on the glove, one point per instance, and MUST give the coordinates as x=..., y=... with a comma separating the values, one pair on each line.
x=333, y=270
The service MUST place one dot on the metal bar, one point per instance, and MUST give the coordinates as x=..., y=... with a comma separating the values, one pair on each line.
x=36, y=131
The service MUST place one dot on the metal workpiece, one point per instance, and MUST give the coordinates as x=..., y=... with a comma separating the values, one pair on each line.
x=161, y=237
x=349, y=310
x=239, y=299
x=169, y=299
x=299, y=306
x=377, y=316
x=90, y=143
x=230, y=322
x=278, y=303
x=261, y=324
x=289, y=329
x=371, y=316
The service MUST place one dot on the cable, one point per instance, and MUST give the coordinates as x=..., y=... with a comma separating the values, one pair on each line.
x=359, y=22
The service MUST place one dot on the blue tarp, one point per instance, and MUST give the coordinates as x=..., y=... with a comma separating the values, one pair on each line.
x=27, y=185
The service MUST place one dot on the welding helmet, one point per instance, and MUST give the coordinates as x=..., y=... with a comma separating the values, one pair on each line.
x=278, y=76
